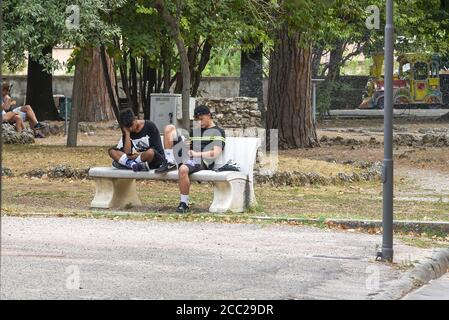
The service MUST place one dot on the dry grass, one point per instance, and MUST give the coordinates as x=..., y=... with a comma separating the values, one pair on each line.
x=352, y=201
x=356, y=201
x=39, y=156
x=290, y=163
x=22, y=159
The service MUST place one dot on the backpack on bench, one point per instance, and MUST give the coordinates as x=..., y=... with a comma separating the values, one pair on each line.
x=229, y=166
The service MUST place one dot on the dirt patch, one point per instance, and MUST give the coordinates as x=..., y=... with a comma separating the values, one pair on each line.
x=299, y=179
x=340, y=141
x=6, y=172
x=58, y=172
x=23, y=159
x=420, y=174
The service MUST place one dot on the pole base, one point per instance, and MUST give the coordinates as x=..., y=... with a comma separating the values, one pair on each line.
x=386, y=255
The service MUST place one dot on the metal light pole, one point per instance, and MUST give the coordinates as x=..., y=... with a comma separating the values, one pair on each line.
x=387, y=174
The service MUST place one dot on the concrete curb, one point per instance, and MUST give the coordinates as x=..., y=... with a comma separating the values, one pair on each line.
x=410, y=226
x=427, y=270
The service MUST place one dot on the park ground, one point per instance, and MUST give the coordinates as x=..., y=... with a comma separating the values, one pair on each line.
x=421, y=182
x=72, y=258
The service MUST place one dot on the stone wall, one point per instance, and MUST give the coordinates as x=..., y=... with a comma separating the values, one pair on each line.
x=213, y=87
x=227, y=87
x=234, y=112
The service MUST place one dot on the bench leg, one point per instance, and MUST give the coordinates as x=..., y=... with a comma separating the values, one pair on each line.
x=235, y=196
x=251, y=196
x=112, y=193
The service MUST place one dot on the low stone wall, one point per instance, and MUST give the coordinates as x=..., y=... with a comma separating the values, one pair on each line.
x=234, y=112
x=11, y=136
x=367, y=172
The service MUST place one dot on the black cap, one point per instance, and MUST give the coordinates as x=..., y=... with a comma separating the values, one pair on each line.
x=200, y=111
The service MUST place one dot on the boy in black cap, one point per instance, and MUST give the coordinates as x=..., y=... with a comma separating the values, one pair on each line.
x=207, y=142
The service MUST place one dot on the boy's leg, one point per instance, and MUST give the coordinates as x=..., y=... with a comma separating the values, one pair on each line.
x=184, y=189
x=170, y=139
x=115, y=154
x=30, y=115
x=170, y=136
x=8, y=117
x=155, y=161
x=184, y=181
x=19, y=123
x=121, y=158
x=146, y=156
x=185, y=170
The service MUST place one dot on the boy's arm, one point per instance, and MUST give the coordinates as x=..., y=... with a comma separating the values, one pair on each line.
x=209, y=155
x=6, y=104
x=218, y=145
x=155, y=137
x=127, y=146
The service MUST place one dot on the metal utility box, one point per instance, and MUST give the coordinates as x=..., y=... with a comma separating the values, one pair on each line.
x=166, y=108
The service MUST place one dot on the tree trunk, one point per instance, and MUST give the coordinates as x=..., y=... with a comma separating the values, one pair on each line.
x=316, y=59
x=91, y=92
x=152, y=75
x=179, y=79
x=40, y=90
x=124, y=76
x=134, y=93
x=289, y=93
x=166, y=68
x=175, y=31
x=251, y=76
x=107, y=71
x=335, y=62
x=204, y=60
x=77, y=94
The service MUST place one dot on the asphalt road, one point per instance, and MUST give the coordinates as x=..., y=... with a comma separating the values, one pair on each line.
x=65, y=258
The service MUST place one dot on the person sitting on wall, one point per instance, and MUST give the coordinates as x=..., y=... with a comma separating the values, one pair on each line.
x=13, y=119
x=25, y=112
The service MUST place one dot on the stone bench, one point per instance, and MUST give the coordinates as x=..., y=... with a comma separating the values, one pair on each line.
x=233, y=191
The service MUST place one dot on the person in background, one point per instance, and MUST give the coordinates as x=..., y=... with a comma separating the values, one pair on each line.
x=25, y=112
x=13, y=119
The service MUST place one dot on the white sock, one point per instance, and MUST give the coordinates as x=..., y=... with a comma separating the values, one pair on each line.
x=138, y=159
x=123, y=160
x=185, y=198
x=169, y=155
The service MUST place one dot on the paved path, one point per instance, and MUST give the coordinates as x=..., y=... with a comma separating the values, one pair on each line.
x=65, y=258
x=435, y=290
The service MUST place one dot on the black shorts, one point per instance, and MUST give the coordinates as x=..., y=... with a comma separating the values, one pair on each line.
x=194, y=168
x=154, y=164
